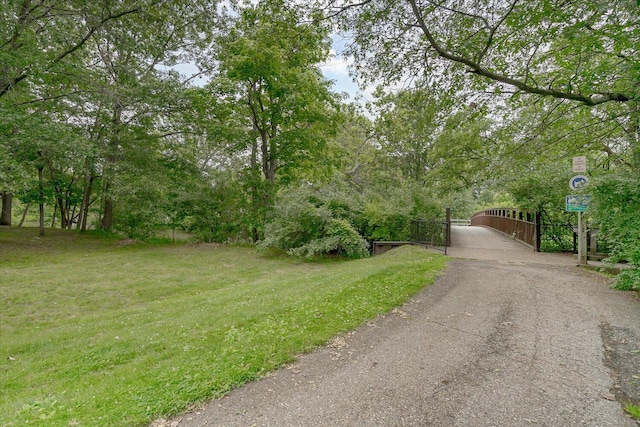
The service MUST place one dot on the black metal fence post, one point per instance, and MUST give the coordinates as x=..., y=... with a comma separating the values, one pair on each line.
x=537, y=240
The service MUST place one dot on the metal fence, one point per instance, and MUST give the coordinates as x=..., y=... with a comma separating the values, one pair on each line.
x=558, y=238
x=528, y=228
x=434, y=234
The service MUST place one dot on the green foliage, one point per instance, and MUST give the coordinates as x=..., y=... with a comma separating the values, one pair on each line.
x=531, y=46
x=388, y=212
x=406, y=130
x=340, y=238
x=633, y=410
x=460, y=151
x=268, y=60
x=216, y=212
x=387, y=221
x=138, y=215
x=86, y=92
x=628, y=280
x=616, y=202
x=305, y=223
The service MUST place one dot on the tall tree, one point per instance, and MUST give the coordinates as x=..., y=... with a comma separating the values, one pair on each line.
x=406, y=129
x=269, y=61
x=103, y=64
x=38, y=38
x=580, y=53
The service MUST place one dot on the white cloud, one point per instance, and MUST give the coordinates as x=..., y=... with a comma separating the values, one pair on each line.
x=336, y=64
x=336, y=68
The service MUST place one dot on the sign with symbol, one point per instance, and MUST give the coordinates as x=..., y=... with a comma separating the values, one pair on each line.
x=577, y=203
x=580, y=164
x=578, y=182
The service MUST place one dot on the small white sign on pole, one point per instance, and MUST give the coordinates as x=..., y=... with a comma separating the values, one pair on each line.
x=580, y=164
x=578, y=182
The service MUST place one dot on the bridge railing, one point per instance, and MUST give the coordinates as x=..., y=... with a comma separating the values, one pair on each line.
x=430, y=233
x=521, y=225
x=435, y=234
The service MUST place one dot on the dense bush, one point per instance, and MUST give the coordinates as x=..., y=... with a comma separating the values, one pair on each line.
x=339, y=237
x=384, y=222
x=303, y=222
x=216, y=213
x=616, y=203
x=136, y=214
x=387, y=214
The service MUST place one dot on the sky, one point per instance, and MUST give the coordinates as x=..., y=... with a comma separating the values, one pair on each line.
x=336, y=69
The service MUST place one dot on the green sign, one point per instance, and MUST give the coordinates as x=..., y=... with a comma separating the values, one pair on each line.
x=577, y=203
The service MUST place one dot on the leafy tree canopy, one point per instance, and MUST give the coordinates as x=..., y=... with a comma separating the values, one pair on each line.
x=585, y=52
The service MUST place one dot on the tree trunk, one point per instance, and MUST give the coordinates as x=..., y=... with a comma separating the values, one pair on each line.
x=255, y=189
x=109, y=170
x=107, y=215
x=53, y=217
x=7, y=202
x=41, y=197
x=63, y=217
x=69, y=209
x=86, y=202
x=24, y=214
x=71, y=217
x=86, y=197
x=269, y=156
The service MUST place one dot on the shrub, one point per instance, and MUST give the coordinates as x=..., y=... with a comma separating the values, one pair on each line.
x=628, y=280
x=304, y=223
x=385, y=223
x=340, y=238
x=616, y=200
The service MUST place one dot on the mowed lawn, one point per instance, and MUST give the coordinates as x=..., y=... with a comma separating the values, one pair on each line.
x=100, y=332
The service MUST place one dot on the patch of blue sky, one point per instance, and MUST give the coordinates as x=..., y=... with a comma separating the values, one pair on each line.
x=336, y=69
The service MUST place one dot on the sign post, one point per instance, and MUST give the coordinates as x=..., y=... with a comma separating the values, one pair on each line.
x=582, y=241
x=579, y=204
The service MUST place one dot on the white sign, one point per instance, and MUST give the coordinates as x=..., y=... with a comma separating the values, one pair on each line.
x=578, y=181
x=580, y=164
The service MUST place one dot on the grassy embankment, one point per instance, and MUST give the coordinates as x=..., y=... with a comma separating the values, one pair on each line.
x=97, y=333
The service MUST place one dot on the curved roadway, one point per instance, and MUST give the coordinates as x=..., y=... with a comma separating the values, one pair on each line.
x=505, y=337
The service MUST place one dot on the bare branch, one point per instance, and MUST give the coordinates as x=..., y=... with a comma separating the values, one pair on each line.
x=441, y=5
x=341, y=9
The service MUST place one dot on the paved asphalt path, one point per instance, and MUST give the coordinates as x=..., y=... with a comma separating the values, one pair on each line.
x=505, y=337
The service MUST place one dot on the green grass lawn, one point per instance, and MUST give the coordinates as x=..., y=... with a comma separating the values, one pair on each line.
x=95, y=332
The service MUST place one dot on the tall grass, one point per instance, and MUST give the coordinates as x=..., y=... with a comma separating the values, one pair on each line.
x=95, y=332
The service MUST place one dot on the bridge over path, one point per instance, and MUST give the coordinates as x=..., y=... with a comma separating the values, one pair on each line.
x=484, y=243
